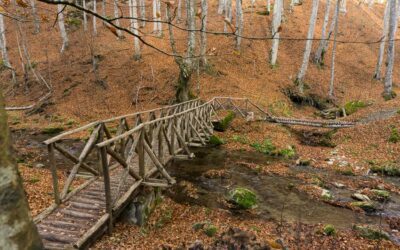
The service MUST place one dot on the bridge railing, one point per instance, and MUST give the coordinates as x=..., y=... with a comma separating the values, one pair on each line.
x=88, y=160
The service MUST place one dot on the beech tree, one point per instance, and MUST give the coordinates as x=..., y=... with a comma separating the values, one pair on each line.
x=134, y=27
x=343, y=8
x=17, y=230
x=307, y=50
x=228, y=14
x=116, y=15
x=276, y=23
x=142, y=13
x=221, y=6
x=84, y=16
x=94, y=18
x=203, y=34
x=377, y=74
x=318, y=57
x=36, y=21
x=239, y=23
x=61, y=25
x=4, y=52
x=388, y=92
x=331, y=87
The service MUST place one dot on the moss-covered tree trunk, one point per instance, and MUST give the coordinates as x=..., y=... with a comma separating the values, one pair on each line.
x=17, y=230
x=183, y=88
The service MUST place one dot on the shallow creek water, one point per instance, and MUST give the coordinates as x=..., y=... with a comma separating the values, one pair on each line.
x=276, y=198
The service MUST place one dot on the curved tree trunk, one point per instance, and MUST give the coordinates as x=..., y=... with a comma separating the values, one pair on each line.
x=307, y=50
x=378, y=68
x=276, y=23
x=319, y=55
x=331, y=87
x=388, y=92
x=17, y=230
x=61, y=25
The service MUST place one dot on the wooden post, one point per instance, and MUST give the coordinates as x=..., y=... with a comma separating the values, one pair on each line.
x=107, y=185
x=142, y=166
x=161, y=143
x=53, y=168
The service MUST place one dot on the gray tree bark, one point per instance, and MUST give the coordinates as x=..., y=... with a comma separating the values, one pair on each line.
x=17, y=230
x=36, y=21
x=307, y=50
x=276, y=23
x=116, y=15
x=4, y=52
x=239, y=24
x=94, y=18
x=378, y=68
x=388, y=92
x=142, y=13
x=203, y=35
x=134, y=27
x=228, y=14
x=84, y=16
x=318, y=58
x=221, y=6
x=331, y=84
x=61, y=25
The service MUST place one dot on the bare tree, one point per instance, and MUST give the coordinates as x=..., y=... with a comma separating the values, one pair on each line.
x=221, y=6
x=228, y=14
x=203, y=35
x=343, y=8
x=268, y=7
x=157, y=26
x=3, y=47
x=142, y=13
x=61, y=25
x=385, y=30
x=331, y=87
x=239, y=24
x=276, y=23
x=36, y=21
x=319, y=55
x=84, y=16
x=94, y=18
x=388, y=92
x=17, y=230
x=134, y=27
x=179, y=10
x=116, y=15
x=307, y=50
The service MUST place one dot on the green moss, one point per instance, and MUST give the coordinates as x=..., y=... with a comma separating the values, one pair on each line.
x=280, y=108
x=240, y=139
x=215, y=140
x=381, y=194
x=70, y=122
x=389, y=96
x=210, y=230
x=52, y=130
x=223, y=124
x=34, y=180
x=346, y=172
x=394, y=135
x=354, y=106
x=198, y=225
x=243, y=198
x=329, y=230
x=364, y=205
x=288, y=152
x=370, y=233
x=388, y=170
x=266, y=147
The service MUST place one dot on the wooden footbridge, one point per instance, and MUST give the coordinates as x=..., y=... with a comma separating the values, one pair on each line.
x=123, y=154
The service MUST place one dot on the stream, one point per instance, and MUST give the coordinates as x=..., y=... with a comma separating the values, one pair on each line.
x=276, y=196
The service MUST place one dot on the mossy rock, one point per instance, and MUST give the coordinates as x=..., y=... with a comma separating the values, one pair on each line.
x=388, y=170
x=367, y=206
x=371, y=233
x=243, y=198
x=216, y=141
x=52, y=130
x=381, y=194
x=223, y=124
x=329, y=230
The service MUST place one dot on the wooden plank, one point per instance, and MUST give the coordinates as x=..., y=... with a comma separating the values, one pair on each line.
x=88, y=235
x=107, y=188
x=45, y=213
x=53, y=169
x=76, y=190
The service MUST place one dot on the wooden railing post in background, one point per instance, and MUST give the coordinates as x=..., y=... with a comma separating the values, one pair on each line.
x=141, y=154
x=53, y=169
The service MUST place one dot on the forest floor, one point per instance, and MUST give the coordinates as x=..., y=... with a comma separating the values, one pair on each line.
x=137, y=85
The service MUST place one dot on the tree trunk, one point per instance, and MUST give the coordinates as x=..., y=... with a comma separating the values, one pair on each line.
x=276, y=23
x=268, y=7
x=160, y=33
x=343, y=8
x=221, y=6
x=61, y=25
x=203, y=35
x=116, y=15
x=142, y=13
x=179, y=14
x=239, y=24
x=228, y=14
x=378, y=68
x=36, y=21
x=307, y=50
x=84, y=16
x=318, y=58
x=94, y=18
x=4, y=52
x=134, y=27
x=17, y=230
x=103, y=8
x=388, y=92
x=331, y=87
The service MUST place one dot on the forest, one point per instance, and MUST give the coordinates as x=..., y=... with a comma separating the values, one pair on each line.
x=199, y=124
